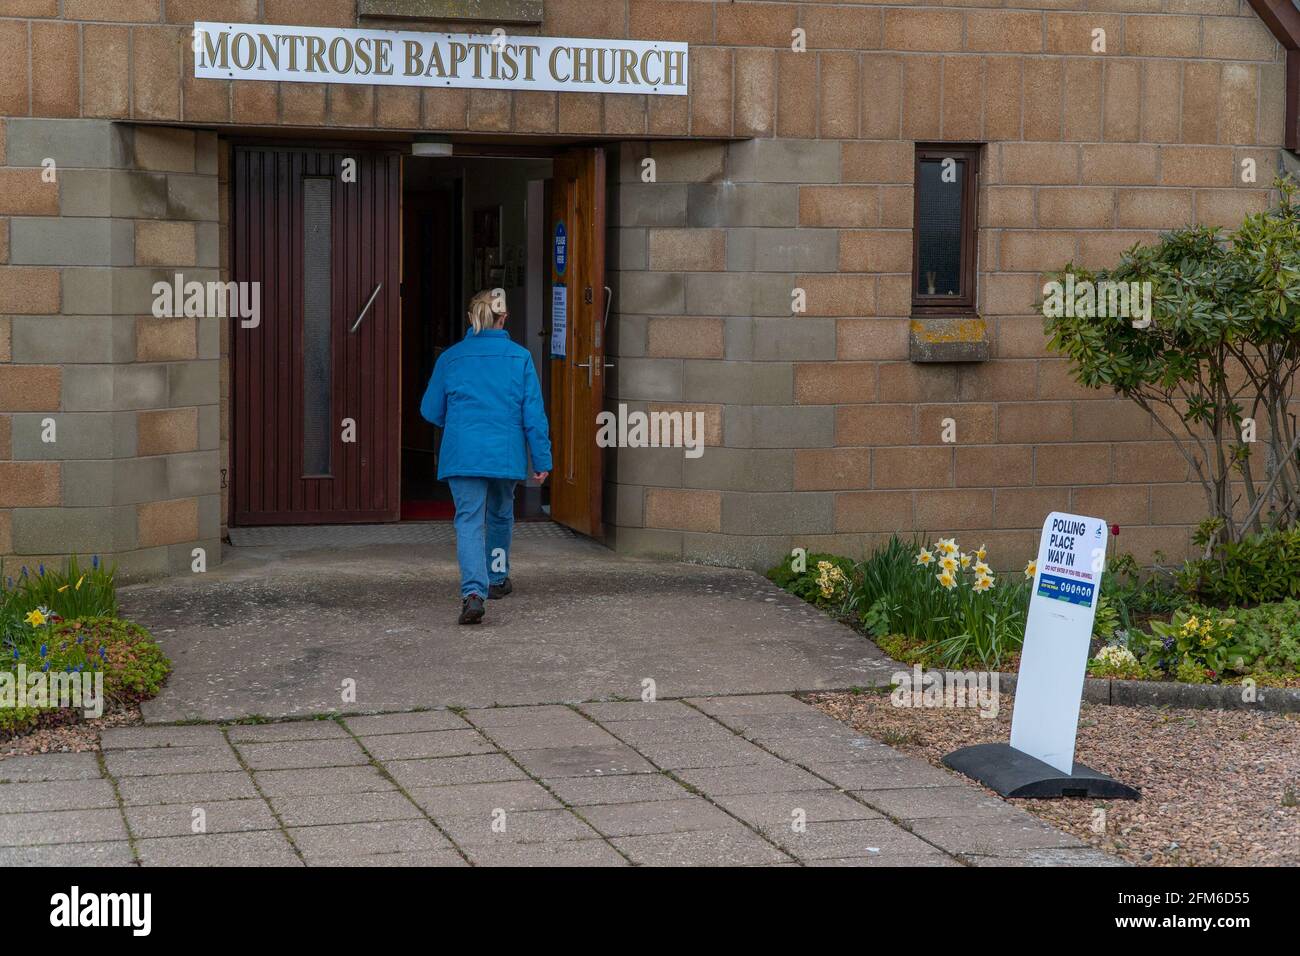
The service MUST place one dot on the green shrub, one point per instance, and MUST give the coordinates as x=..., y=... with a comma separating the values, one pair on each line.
x=1134, y=594
x=133, y=664
x=818, y=578
x=1201, y=643
x=1258, y=569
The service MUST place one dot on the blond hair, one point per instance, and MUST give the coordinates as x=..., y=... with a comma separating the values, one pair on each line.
x=485, y=307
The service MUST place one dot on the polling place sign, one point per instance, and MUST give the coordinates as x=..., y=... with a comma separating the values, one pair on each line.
x=1062, y=605
x=252, y=51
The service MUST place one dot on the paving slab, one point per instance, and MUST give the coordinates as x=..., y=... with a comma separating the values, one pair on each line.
x=61, y=826
x=447, y=771
x=579, y=733
x=960, y=801
x=526, y=826
x=36, y=767
x=327, y=808
x=440, y=857
x=686, y=755
x=780, y=811
x=362, y=839
x=624, y=788
x=539, y=716
x=732, y=847
x=405, y=723
x=431, y=743
x=683, y=815
x=993, y=837
x=116, y=853
x=157, y=761
x=286, y=783
x=583, y=761
x=836, y=839
x=274, y=631
x=472, y=799
x=889, y=773
x=303, y=754
x=134, y=738
x=769, y=775
x=218, y=816
x=57, y=795
x=928, y=858
x=286, y=730
x=613, y=712
x=186, y=788
x=258, y=848
x=1081, y=856
x=566, y=853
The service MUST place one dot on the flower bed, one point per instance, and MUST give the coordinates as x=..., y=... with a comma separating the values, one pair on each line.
x=59, y=628
x=934, y=604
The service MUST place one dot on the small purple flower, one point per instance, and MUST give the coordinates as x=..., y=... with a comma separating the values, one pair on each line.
x=94, y=562
x=40, y=569
x=102, y=655
x=44, y=650
x=45, y=666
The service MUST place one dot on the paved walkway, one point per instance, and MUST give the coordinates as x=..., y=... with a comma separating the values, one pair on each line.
x=726, y=768
x=749, y=780
x=283, y=633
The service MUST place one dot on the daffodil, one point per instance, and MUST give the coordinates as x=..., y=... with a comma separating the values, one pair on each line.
x=62, y=589
x=79, y=580
x=925, y=558
x=948, y=563
x=1031, y=569
x=982, y=568
x=948, y=545
x=982, y=555
x=947, y=579
x=36, y=618
x=982, y=583
x=965, y=560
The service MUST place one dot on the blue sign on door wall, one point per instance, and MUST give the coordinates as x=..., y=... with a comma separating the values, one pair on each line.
x=561, y=248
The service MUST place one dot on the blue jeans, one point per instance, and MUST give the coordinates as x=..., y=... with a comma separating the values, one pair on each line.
x=485, y=517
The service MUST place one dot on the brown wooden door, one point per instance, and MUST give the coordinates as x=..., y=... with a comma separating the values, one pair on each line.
x=316, y=396
x=578, y=379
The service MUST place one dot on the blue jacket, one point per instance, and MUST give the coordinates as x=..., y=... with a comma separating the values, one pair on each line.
x=486, y=397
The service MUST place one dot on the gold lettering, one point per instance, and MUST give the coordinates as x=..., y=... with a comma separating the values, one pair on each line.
x=244, y=48
x=555, y=73
x=674, y=68
x=414, y=65
x=315, y=55
x=383, y=48
x=458, y=54
x=626, y=68
x=217, y=55
x=334, y=55
x=270, y=51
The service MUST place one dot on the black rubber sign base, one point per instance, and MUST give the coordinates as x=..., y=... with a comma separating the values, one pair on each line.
x=1013, y=773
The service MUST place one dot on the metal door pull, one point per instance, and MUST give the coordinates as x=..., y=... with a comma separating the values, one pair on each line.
x=369, y=302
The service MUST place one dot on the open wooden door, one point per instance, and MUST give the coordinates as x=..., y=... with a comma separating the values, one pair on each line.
x=316, y=384
x=578, y=374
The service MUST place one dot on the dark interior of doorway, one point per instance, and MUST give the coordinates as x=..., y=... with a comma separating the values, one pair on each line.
x=467, y=223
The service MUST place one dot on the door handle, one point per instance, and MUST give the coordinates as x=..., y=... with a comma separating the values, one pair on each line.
x=369, y=302
x=609, y=298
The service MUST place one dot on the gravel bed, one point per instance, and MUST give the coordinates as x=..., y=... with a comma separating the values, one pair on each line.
x=78, y=737
x=1219, y=788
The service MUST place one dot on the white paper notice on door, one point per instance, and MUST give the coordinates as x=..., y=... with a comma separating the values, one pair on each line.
x=559, y=320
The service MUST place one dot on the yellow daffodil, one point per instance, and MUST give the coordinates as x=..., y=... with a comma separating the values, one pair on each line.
x=925, y=558
x=1191, y=625
x=948, y=545
x=948, y=563
x=62, y=589
x=947, y=580
x=982, y=583
x=36, y=618
x=1031, y=569
x=982, y=568
x=982, y=555
x=965, y=560
x=79, y=580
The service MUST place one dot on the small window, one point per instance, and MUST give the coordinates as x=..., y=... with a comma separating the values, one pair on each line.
x=943, y=230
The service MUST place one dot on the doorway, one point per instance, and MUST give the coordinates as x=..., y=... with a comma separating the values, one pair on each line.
x=365, y=280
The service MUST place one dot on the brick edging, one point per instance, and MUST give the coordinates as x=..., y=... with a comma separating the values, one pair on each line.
x=1147, y=693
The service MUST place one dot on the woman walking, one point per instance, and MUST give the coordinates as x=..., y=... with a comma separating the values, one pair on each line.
x=485, y=396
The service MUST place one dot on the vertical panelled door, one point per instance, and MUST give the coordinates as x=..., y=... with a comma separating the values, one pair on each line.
x=578, y=376
x=316, y=384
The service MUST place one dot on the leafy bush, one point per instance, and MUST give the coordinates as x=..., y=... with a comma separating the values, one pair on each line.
x=1258, y=569
x=818, y=578
x=1114, y=660
x=1214, y=356
x=133, y=664
x=1134, y=594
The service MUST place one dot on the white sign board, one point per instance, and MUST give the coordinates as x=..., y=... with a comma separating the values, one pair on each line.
x=254, y=51
x=559, y=320
x=1062, y=605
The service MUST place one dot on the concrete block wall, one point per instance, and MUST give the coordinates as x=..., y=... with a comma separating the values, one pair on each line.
x=820, y=429
x=108, y=416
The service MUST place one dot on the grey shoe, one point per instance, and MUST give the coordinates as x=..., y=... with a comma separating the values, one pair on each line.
x=496, y=591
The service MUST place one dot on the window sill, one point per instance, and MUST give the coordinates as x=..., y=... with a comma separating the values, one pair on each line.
x=962, y=337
